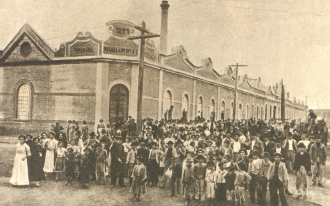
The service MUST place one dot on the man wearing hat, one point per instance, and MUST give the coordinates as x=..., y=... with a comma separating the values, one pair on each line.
x=200, y=171
x=168, y=155
x=318, y=158
x=176, y=174
x=302, y=166
x=117, y=162
x=278, y=149
x=188, y=179
x=290, y=145
x=268, y=145
x=255, y=141
x=278, y=177
x=105, y=139
x=153, y=164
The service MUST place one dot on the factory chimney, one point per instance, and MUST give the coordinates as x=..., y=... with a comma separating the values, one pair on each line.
x=164, y=30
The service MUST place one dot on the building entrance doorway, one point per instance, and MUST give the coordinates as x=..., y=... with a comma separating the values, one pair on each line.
x=118, y=111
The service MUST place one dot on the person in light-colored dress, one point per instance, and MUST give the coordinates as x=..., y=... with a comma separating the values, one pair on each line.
x=20, y=174
x=50, y=146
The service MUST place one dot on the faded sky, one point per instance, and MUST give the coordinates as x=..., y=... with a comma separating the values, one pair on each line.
x=277, y=39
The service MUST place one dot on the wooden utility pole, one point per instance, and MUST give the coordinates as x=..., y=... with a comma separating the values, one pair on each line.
x=145, y=34
x=283, y=102
x=235, y=91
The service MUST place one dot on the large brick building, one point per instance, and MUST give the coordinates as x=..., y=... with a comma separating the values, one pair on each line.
x=89, y=79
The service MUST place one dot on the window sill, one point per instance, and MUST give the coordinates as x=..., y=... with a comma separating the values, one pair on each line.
x=23, y=120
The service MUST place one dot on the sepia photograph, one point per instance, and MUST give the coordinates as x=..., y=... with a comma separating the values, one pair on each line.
x=164, y=102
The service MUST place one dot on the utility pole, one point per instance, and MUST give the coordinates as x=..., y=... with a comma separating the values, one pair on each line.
x=235, y=91
x=145, y=34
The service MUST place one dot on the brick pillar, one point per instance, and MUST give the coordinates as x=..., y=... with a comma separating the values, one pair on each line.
x=102, y=93
x=133, y=98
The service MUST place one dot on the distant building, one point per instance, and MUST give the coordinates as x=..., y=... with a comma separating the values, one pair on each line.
x=90, y=79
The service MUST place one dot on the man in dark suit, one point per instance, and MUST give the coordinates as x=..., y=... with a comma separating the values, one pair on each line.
x=117, y=160
x=268, y=146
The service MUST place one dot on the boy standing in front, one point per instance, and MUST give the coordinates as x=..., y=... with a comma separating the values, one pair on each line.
x=188, y=178
x=302, y=166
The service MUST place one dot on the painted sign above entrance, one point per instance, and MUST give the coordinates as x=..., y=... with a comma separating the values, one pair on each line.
x=121, y=28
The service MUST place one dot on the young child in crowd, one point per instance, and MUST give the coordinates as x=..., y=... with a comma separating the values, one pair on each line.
x=210, y=178
x=230, y=183
x=131, y=160
x=200, y=171
x=139, y=176
x=242, y=179
x=100, y=164
x=60, y=160
x=188, y=179
x=302, y=166
x=70, y=166
x=220, y=186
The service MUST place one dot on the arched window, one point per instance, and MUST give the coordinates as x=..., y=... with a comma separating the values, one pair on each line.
x=212, y=108
x=247, y=111
x=252, y=111
x=24, y=102
x=266, y=112
x=257, y=112
x=262, y=113
x=240, y=112
x=223, y=110
x=185, y=103
x=200, y=107
x=167, y=100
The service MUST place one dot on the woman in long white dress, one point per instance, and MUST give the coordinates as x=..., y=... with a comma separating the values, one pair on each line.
x=20, y=174
x=50, y=146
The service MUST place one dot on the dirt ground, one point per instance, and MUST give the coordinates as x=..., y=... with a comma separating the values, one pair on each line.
x=57, y=193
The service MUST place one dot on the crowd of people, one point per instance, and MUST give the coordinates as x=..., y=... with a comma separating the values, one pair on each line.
x=204, y=160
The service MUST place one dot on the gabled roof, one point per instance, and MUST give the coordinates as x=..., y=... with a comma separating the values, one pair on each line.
x=27, y=30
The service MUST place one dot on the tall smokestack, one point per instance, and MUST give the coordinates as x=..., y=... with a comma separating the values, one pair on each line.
x=164, y=23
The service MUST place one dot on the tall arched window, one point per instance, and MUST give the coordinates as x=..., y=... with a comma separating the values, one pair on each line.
x=266, y=112
x=223, y=110
x=252, y=111
x=167, y=100
x=247, y=111
x=240, y=112
x=257, y=112
x=212, y=108
x=24, y=102
x=200, y=107
x=185, y=103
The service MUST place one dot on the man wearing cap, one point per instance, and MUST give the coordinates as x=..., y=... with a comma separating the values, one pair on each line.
x=255, y=169
x=290, y=145
x=278, y=177
x=188, y=179
x=301, y=166
x=318, y=158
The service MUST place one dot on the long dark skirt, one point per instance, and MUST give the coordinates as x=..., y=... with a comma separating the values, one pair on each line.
x=83, y=175
x=36, y=165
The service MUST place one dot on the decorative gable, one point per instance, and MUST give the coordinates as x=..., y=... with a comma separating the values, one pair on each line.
x=228, y=77
x=207, y=69
x=27, y=46
x=179, y=60
x=245, y=84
